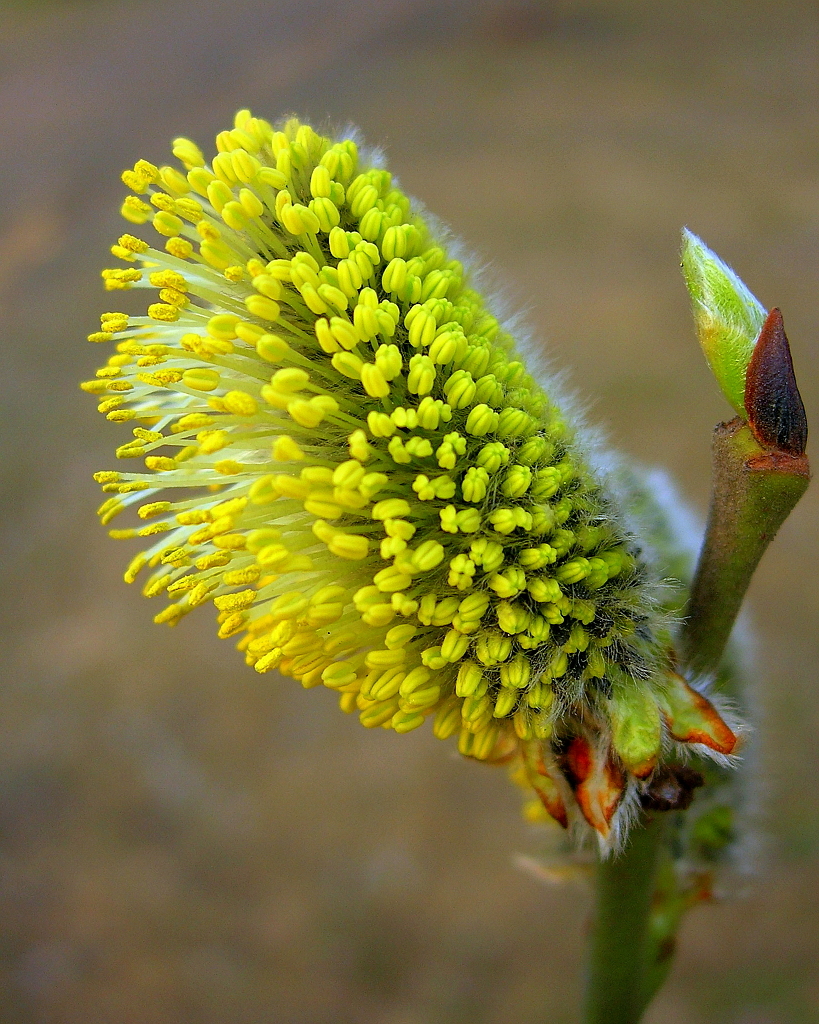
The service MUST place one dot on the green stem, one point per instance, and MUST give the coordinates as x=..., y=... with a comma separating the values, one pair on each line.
x=616, y=983
x=754, y=490
x=669, y=903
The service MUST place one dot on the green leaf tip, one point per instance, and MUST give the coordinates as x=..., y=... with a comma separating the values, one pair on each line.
x=728, y=317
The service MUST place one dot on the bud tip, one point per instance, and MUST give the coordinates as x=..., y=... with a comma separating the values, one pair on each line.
x=774, y=406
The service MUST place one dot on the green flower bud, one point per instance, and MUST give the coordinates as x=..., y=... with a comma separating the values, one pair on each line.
x=728, y=317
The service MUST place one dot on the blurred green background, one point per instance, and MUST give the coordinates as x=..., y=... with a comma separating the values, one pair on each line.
x=183, y=841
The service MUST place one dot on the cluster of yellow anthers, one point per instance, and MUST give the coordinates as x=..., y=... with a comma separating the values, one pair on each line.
x=359, y=473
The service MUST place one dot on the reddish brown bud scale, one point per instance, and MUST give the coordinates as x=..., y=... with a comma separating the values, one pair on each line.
x=692, y=718
x=577, y=764
x=672, y=788
x=543, y=784
x=598, y=783
x=774, y=406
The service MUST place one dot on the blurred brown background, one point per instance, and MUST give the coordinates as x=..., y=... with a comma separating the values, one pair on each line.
x=184, y=841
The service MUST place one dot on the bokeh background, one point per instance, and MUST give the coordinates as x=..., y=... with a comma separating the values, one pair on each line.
x=185, y=842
